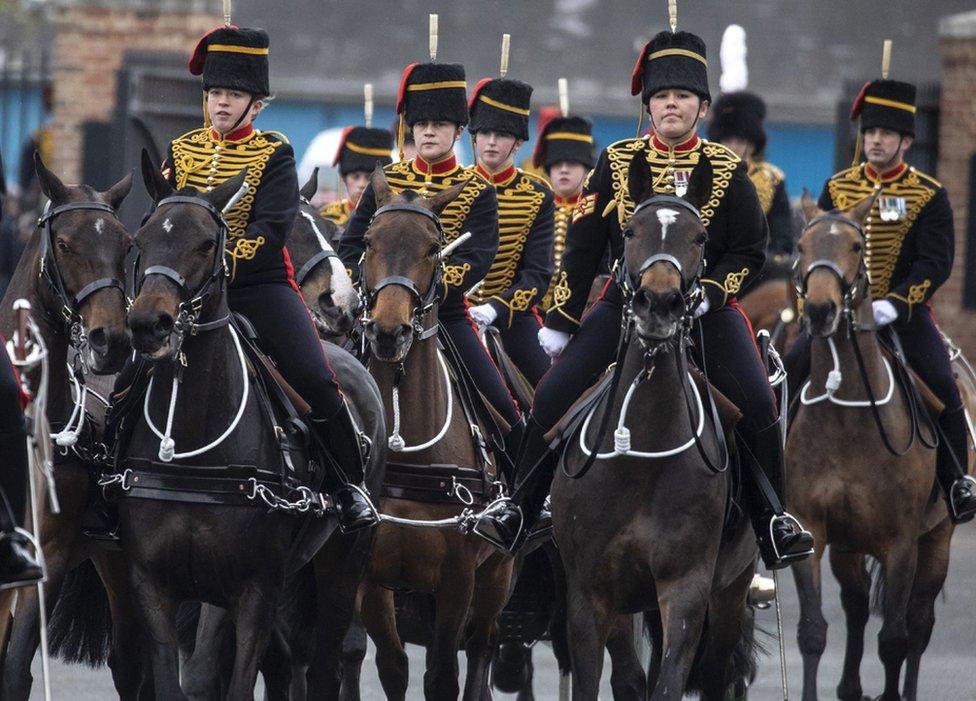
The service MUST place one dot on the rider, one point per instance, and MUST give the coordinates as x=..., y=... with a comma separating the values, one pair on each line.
x=520, y=273
x=565, y=152
x=234, y=65
x=737, y=122
x=431, y=103
x=360, y=149
x=670, y=76
x=910, y=247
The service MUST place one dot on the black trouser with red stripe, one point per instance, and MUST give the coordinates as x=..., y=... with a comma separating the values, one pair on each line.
x=13, y=449
x=521, y=342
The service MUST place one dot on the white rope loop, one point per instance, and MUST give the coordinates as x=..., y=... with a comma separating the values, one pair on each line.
x=68, y=436
x=834, y=380
x=396, y=442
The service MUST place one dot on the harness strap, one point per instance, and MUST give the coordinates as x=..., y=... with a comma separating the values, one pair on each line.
x=311, y=264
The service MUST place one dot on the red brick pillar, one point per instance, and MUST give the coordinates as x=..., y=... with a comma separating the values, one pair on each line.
x=91, y=37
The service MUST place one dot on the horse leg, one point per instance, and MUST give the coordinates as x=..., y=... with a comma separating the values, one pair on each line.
x=933, y=564
x=899, y=566
x=683, y=607
x=275, y=667
x=491, y=582
x=391, y=661
x=125, y=658
x=627, y=678
x=525, y=693
x=855, y=596
x=158, y=611
x=254, y=619
x=726, y=618
x=353, y=654
x=200, y=676
x=452, y=603
x=811, y=632
x=589, y=625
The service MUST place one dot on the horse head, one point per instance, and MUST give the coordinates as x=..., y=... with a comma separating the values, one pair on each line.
x=831, y=274
x=402, y=265
x=82, y=259
x=321, y=276
x=180, y=273
x=664, y=245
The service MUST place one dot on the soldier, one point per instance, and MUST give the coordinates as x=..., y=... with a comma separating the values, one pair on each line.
x=737, y=122
x=564, y=152
x=670, y=75
x=910, y=247
x=360, y=149
x=431, y=103
x=521, y=270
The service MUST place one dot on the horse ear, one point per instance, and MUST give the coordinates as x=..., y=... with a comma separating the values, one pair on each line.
x=438, y=202
x=382, y=194
x=312, y=186
x=639, y=183
x=222, y=194
x=117, y=193
x=862, y=209
x=51, y=185
x=699, y=184
x=809, y=206
x=156, y=185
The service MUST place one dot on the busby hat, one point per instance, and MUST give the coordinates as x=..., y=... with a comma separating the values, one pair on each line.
x=564, y=139
x=235, y=58
x=360, y=148
x=433, y=91
x=671, y=60
x=889, y=104
x=500, y=104
x=739, y=114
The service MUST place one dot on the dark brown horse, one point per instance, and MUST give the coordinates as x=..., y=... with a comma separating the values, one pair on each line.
x=467, y=578
x=640, y=528
x=862, y=491
x=71, y=273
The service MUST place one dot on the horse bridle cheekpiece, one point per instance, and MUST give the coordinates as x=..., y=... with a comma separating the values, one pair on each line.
x=312, y=263
x=691, y=288
x=424, y=301
x=850, y=290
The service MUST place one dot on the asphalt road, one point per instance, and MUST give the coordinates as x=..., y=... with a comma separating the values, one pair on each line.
x=947, y=668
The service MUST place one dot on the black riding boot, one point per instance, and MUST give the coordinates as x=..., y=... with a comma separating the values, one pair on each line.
x=782, y=540
x=18, y=567
x=505, y=524
x=953, y=454
x=347, y=476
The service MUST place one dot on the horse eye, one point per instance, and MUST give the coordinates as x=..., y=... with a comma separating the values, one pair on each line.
x=434, y=250
x=368, y=245
x=628, y=233
x=63, y=246
x=799, y=248
x=700, y=239
x=856, y=247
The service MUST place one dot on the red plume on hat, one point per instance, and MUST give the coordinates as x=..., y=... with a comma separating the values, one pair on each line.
x=401, y=99
x=342, y=144
x=477, y=91
x=637, y=76
x=859, y=101
x=199, y=55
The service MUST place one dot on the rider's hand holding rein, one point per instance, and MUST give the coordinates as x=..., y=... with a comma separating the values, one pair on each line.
x=553, y=342
x=884, y=312
x=702, y=308
x=483, y=314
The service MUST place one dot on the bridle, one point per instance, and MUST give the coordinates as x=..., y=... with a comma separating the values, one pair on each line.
x=327, y=251
x=852, y=291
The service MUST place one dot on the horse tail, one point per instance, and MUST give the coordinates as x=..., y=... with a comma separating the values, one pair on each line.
x=743, y=664
x=80, y=628
x=878, y=586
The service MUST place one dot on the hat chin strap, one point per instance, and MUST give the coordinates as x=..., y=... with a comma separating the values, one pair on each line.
x=247, y=109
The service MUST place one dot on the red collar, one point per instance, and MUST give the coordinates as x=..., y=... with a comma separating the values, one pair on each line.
x=566, y=201
x=688, y=145
x=445, y=165
x=236, y=135
x=500, y=178
x=350, y=205
x=887, y=176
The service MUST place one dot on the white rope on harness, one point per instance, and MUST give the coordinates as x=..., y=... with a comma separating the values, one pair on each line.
x=834, y=379
x=396, y=442
x=167, y=446
x=68, y=436
x=621, y=437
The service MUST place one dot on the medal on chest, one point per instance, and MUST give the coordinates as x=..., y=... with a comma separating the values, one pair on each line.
x=681, y=178
x=891, y=209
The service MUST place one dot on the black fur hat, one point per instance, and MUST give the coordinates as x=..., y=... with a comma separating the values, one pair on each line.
x=889, y=104
x=564, y=139
x=360, y=148
x=671, y=60
x=235, y=58
x=434, y=91
x=502, y=105
x=739, y=114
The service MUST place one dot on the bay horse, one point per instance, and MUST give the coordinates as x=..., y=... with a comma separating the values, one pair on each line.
x=863, y=487
x=625, y=527
x=771, y=304
x=468, y=579
x=72, y=273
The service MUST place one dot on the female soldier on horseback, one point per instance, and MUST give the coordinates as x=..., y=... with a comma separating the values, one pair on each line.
x=670, y=76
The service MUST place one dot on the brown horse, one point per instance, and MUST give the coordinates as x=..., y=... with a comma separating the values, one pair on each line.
x=468, y=578
x=771, y=305
x=71, y=273
x=864, y=488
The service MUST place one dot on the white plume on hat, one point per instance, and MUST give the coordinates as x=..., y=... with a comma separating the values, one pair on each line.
x=732, y=54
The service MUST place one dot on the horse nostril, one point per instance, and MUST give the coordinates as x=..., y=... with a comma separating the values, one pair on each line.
x=822, y=313
x=98, y=340
x=676, y=303
x=641, y=299
x=164, y=326
x=403, y=332
x=325, y=301
x=369, y=328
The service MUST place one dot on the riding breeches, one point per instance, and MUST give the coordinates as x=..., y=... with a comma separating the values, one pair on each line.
x=521, y=342
x=13, y=449
x=478, y=362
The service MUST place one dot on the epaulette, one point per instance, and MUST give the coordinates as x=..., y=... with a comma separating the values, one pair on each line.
x=926, y=179
x=775, y=173
x=537, y=180
x=275, y=135
x=191, y=133
x=715, y=150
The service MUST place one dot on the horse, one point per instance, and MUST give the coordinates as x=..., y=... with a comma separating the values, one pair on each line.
x=623, y=528
x=863, y=487
x=771, y=304
x=72, y=272
x=468, y=579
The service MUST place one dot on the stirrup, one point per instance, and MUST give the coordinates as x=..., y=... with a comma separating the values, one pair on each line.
x=484, y=526
x=953, y=514
x=540, y=530
x=374, y=514
x=29, y=537
x=781, y=559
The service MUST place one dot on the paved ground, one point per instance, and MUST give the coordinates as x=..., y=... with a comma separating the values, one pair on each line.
x=947, y=668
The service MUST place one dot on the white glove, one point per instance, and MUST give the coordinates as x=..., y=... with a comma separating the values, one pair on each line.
x=483, y=314
x=884, y=312
x=702, y=308
x=553, y=342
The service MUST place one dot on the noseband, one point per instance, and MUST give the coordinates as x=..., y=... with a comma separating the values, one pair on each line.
x=851, y=290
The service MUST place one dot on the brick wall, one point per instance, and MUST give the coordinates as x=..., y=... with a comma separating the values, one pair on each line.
x=90, y=39
x=957, y=142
